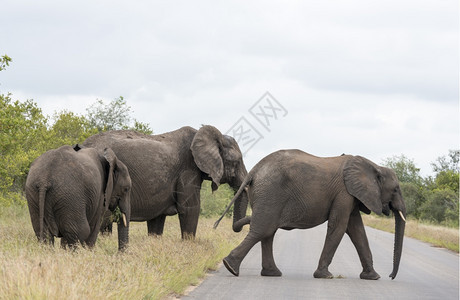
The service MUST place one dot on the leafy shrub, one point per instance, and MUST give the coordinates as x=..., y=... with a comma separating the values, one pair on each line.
x=214, y=204
x=441, y=206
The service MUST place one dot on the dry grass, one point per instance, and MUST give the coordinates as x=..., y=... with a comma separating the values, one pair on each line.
x=439, y=236
x=152, y=267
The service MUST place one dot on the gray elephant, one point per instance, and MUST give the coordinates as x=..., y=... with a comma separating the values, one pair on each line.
x=69, y=189
x=291, y=189
x=167, y=171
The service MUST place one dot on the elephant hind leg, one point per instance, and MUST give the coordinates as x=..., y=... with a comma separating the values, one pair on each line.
x=233, y=261
x=263, y=228
x=74, y=235
x=156, y=226
x=269, y=267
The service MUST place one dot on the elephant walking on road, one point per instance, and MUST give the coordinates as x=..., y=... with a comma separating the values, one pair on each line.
x=291, y=189
x=69, y=189
x=167, y=171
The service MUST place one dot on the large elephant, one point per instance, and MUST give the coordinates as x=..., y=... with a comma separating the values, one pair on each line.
x=291, y=189
x=69, y=189
x=167, y=171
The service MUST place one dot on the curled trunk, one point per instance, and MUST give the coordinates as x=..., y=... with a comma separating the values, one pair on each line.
x=240, y=200
x=400, y=225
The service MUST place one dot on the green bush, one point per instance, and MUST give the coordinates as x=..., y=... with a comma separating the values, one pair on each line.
x=413, y=197
x=441, y=206
x=214, y=204
x=433, y=199
x=23, y=136
x=12, y=200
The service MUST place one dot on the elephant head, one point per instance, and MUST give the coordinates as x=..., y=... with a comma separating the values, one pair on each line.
x=117, y=194
x=378, y=190
x=220, y=156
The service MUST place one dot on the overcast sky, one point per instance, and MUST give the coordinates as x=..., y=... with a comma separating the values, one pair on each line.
x=374, y=78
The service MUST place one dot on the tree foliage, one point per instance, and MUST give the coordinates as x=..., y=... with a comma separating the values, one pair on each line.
x=114, y=116
x=23, y=127
x=404, y=168
x=4, y=62
x=434, y=198
x=69, y=128
x=449, y=162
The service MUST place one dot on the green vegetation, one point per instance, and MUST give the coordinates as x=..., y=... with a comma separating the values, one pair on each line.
x=214, y=204
x=114, y=116
x=434, y=198
x=4, y=62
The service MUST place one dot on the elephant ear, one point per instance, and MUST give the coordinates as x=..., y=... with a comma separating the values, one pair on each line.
x=111, y=158
x=206, y=150
x=363, y=181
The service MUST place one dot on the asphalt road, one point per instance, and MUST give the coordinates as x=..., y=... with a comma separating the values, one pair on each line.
x=425, y=272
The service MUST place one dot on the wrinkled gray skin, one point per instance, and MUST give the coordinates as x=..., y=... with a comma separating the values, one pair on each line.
x=291, y=189
x=69, y=189
x=167, y=171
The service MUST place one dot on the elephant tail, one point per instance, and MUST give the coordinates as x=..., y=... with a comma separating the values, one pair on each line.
x=41, y=209
x=242, y=188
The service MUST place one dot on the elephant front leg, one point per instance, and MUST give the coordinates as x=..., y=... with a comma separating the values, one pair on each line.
x=357, y=234
x=188, y=203
x=188, y=220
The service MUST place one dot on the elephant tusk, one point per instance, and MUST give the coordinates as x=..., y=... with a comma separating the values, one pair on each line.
x=124, y=219
x=402, y=216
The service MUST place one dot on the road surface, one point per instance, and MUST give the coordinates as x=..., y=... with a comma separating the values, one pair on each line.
x=425, y=272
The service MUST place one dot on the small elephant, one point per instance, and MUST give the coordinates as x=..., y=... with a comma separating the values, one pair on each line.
x=291, y=189
x=69, y=189
x=168, y=169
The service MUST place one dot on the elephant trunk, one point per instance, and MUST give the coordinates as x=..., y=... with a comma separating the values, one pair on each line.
x=123, y=236
x=123, y=224
x=240, y=199
x=400, y=224
x=241, y=202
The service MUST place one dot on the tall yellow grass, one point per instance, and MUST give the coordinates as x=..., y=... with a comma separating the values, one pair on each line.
x=151, y=268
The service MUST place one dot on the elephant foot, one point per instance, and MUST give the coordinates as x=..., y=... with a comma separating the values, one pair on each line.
x=271, y=272
x=324, y=273
x=188, y=236
x=371, y=275
x=231, y=265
